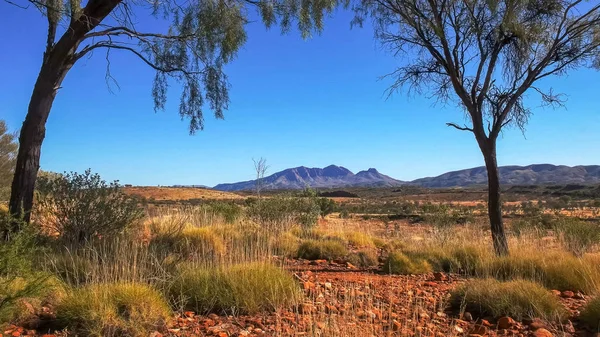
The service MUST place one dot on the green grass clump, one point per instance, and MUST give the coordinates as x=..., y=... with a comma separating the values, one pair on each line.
x=286, y=244
x=591, y=314
x=577, y=236
x=322, y=250
x=359, y=239
x=398, y=263
x=364, y=258
x=240, y=289
x=113, y=310
x=518, y=299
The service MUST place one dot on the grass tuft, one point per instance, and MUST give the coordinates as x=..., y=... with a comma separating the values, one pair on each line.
x=591, y=314
x=113, y=310
x=322, y=250
x=240, y=289
x=518, y=299
x=398, y=263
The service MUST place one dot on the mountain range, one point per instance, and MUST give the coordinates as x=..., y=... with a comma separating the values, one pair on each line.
x=328, y=177
x=334, y=176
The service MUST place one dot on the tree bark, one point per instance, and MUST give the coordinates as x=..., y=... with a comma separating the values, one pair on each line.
x=488, y=149
x=31, y=137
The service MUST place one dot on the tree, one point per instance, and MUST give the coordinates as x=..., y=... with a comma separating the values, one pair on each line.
x=261, y=167
x=203, y=36
x=8, y=154
x=486, y=55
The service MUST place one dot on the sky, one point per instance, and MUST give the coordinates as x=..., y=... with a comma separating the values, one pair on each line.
x=294, y=102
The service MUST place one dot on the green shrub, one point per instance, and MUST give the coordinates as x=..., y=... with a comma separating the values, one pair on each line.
x=326, y=206
x=322, y=250
x=81, y=207
x=239, y=289
x=281, y=212
x=228, y=210
x=398, y=263
x=578, y=236
x=591, y=314
x=113, y=310
x=364, y=258
x=518, y=299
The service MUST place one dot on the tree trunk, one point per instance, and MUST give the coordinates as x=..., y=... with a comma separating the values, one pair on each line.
x=31, y=137
x=494, y=203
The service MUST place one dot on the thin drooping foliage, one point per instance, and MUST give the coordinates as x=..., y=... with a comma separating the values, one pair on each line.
x=486, y=56
x=199, y=39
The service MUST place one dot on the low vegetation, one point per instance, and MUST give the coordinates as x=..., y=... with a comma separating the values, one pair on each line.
x=327, y=249
x=518, y=299
x=237, y=289
x=591, y=314
x=113, y=309
x=231, y=258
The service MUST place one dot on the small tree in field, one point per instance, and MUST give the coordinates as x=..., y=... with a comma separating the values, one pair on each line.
x=200, y=38
x=260, y=167
x=486, y=55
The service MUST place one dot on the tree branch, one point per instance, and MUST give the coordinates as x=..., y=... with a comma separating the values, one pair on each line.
x=461, y=128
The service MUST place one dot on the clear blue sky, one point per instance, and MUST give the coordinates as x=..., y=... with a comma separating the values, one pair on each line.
x=295, y=102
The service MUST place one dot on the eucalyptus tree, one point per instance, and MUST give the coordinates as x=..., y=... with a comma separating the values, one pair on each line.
x=486, y=55
x=199, y=38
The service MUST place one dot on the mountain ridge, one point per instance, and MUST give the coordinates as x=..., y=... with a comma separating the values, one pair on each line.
x=333, y=176
x=327, y=177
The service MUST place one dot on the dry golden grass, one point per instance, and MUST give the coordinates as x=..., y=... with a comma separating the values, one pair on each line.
x=179, y=193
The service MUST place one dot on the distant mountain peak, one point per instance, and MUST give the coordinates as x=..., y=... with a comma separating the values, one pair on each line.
x=327, y=177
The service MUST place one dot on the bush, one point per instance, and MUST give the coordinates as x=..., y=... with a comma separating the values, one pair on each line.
x=364, y=258
x=578, y=236
x=228, y=210
x=322, y=250
x=326, y=206
x=591, y=314
x=239, y=289
x=80, y=207
x=398, y=263
x=281, y=212
x=113, y=310
x=517, y=299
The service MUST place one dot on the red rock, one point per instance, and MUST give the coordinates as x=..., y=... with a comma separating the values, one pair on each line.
x=478, y=329
x=556, y=292
x=505, y=322
x=536, y=324
x=189, y=314
x=430, y=284
x=440, y=277
x=568, y=294
x=486, y=323
x=542, y=333
x=350, y=265
x=16, y=334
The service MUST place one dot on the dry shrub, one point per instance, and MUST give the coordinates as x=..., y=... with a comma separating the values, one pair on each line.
x=518, y=299
x=239, y=289
x=113, y=310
